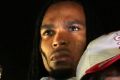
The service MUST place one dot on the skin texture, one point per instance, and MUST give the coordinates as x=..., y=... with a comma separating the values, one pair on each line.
x=63, y=34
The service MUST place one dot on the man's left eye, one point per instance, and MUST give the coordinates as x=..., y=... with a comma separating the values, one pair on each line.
x=74, y=28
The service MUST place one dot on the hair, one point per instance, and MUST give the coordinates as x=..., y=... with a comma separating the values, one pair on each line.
x=37, y=69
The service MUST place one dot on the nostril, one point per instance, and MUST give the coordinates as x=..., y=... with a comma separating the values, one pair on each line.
x=59, y=43
x=63, y=43
x=54, y=44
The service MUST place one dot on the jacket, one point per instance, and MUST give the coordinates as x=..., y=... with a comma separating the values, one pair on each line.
x=101, y=53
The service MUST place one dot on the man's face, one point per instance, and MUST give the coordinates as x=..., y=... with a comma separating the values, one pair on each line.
x=63, y=36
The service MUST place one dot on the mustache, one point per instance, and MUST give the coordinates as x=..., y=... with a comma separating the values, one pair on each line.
x=61, y=51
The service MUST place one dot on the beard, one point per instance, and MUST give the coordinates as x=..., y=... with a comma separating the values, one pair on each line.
x=62, y=74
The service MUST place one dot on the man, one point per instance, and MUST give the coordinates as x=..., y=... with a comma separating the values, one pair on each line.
x=62, y=41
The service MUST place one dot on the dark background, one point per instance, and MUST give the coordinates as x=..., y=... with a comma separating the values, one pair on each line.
x=17, y=31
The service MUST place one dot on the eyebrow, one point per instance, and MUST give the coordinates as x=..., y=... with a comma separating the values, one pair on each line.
x=67, y=22
x=47, y=26
x=74, y=22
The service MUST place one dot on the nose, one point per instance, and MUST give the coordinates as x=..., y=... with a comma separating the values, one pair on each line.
x=60, y=40
x=60, y=43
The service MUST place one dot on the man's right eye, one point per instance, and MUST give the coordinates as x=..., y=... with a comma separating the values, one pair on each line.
x=48, y=33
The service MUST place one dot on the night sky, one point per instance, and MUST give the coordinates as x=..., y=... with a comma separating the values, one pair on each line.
x=17, y=31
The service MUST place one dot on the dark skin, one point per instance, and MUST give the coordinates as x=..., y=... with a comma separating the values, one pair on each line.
x=63, y=34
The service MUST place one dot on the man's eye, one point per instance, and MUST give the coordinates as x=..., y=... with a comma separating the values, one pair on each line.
x=74, y=28
x=48, y=33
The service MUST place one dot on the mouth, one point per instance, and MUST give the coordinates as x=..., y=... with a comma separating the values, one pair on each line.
x=62, y=55
x=60, y=58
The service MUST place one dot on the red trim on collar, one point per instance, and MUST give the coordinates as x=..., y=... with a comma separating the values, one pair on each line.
x=103, y=65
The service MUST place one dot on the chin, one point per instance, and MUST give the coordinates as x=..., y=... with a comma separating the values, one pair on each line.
x=62, y=73
x=60, y=67
x=56, y=65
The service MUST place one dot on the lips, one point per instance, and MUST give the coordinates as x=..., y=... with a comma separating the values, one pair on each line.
x=62, y=55
x=60, y=58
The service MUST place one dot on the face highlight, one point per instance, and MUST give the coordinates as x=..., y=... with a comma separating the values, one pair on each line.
x=63, y=36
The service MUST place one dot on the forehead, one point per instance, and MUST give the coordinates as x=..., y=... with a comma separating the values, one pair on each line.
x=65, y=9
x=65, y=4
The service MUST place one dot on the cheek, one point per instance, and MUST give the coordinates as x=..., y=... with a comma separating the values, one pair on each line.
x=79, y=41
x=78, y=46
x=45, y=46
x=81, y=36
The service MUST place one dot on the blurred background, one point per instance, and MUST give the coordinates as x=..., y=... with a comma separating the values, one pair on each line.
x=18, y=24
